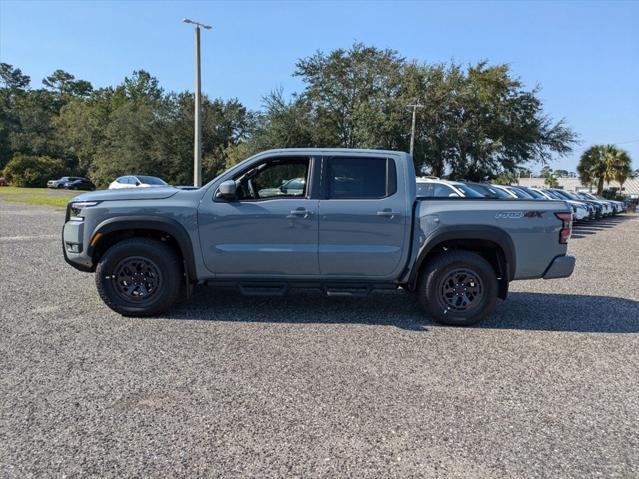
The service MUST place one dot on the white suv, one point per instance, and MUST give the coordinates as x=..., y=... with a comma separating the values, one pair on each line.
x=436, y=188
x=136, y=182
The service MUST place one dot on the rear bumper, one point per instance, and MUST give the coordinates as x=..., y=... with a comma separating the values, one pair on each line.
x=561, y=267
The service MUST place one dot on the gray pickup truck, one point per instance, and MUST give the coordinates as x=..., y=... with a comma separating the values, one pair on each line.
x=343, y=221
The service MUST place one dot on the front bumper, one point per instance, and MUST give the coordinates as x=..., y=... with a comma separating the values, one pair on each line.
x=561, y=267
x=73, y=239
x=581, y=214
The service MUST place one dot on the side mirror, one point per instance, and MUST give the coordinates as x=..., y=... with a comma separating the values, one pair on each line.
x=137, y=183
x=453, y=195
x=227, y=190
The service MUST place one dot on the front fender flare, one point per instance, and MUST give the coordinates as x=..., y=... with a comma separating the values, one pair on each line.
x=157, y=223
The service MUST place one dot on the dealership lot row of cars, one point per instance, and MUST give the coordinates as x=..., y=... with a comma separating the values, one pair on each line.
x=585, y=206
x=80, y=183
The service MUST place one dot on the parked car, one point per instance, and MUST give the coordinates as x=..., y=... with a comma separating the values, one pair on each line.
x=489, y=191
x=80, y=184
x=293, y=187
x=137, y=182
x=59, y=183
x=617, y=205
x=436, y=188
x=596, y=208
x=517, y=192
x=607, y=208
x=358, y=226
x=580, y=211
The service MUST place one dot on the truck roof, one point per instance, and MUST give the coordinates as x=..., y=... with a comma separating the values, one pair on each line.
x=346, y=151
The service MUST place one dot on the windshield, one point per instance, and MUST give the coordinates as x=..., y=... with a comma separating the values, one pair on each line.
x=488, y=191
x=562, y=194
x=554, y=195
x=588, y=195
x=468, y=192
x=572, y=196
x=519, y=193
x=535, y=194
x=151, y=180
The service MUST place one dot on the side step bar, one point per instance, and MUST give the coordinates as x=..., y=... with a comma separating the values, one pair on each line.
x=361, y=291
x=272, y=288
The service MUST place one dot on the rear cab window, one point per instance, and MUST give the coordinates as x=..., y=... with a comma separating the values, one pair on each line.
x=360, y=178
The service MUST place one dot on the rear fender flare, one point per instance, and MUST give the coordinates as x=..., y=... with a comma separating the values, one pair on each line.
x=476, y=232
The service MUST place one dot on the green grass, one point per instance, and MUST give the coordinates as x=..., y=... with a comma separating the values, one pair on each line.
x=39, y=200
x=36, y=196
x=18, y=190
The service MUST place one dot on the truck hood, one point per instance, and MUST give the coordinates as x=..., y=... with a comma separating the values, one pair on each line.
x=155, y=193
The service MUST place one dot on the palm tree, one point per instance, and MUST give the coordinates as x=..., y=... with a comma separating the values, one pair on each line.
x=623, y=173
x=603, y=163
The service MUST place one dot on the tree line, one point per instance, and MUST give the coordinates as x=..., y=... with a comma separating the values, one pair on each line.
x=477, y=122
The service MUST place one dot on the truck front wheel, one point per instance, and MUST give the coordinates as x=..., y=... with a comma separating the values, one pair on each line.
x=139, y=277
x=458, y=288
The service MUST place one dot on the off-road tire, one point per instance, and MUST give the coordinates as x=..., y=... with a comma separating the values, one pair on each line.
x=452, y=264
x=160, y=258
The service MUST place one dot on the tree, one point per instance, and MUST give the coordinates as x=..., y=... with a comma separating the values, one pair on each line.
x=478, y=122
x=601, y=164
x=34, y=132
x=14, y=86
x=12, y=78
x=623, y=172
x=137, y=128
x=284, y=124
x=546, y=171
x=350, y=92
x=64, y=83
x=24, y=170
x=549, y=176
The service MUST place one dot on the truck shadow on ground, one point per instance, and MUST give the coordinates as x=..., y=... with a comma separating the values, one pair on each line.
x=522, y=311
x=583, y=229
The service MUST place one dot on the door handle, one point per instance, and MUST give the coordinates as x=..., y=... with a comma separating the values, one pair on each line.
x=388, y=213
x=299, y=213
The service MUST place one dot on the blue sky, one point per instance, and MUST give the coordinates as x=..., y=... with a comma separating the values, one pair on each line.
x=585, y=55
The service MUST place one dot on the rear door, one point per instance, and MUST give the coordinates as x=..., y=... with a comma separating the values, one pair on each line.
x=363, y=217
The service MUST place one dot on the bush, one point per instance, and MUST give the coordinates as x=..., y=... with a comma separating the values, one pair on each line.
x=24, y=170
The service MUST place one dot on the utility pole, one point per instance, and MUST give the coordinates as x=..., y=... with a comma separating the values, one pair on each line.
x=412, y=129
x=197, y=144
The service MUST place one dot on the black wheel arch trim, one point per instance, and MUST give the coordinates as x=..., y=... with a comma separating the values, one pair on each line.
x=159, y=224
x=477, y=232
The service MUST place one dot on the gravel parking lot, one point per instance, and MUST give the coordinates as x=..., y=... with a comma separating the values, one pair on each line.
x=312, y=386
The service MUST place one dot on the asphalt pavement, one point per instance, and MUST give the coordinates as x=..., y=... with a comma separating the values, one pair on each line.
x=311, y=386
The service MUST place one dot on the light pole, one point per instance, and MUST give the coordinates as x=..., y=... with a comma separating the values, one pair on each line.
x=412, y=129
x=197, y=146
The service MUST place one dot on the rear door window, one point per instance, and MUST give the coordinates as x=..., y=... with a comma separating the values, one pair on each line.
x=361, y=178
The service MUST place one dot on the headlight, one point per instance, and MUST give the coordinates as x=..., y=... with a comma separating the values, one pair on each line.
x=76, y=207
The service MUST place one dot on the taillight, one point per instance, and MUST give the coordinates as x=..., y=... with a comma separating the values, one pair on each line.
x=564, y=233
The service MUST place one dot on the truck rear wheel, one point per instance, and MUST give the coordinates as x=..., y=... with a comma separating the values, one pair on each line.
x=458, y=288
x=139, y=277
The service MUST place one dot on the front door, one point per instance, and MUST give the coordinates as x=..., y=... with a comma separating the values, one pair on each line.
x=270, y=229
x=362, y=218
